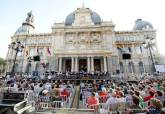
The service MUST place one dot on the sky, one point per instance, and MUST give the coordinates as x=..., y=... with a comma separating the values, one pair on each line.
x=122, y=13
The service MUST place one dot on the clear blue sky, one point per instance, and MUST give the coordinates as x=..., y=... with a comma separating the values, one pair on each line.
x=123, y=13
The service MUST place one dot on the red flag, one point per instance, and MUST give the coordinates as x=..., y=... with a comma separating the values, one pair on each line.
x=48, y=50
x=37, y=50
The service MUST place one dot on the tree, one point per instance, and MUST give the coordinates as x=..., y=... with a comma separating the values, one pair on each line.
x=2, y=65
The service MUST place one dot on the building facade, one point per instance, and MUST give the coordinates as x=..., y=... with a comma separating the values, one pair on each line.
x=85, y=43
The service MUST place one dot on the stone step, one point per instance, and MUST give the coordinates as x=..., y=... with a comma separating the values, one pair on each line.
x=75, y=102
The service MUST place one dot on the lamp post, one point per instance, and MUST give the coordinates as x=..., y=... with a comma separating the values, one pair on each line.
x=149, y=44
x=17, y=47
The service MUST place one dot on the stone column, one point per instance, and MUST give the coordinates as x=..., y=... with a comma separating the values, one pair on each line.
x=72, y=65
x=88, y=64
x=105, y=64
x=76, y=64
x=92, y=64
x=55, y=63
x=109, y=64
x=60, y=64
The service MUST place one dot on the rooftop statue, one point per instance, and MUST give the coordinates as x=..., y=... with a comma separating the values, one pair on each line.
x=30, y=17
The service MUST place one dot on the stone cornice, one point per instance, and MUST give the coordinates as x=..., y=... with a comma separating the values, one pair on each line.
x=32, y=35
x=128, y=42
x=133, y=32
x=81, y=51
x=83, y=54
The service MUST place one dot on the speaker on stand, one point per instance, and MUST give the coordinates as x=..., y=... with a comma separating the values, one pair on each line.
x=126, y=56
x=36, y=58
x=117, y=71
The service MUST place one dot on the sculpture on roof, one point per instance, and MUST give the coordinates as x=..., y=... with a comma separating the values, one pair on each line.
x=30, y=17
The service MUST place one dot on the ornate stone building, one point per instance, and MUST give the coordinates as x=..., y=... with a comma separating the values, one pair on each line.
x=85, y=43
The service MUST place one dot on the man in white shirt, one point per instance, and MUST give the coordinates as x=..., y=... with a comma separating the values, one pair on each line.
x=41, y=76
x=8, y=77
x=48, y=86
x=49, y=77
x=30, y=76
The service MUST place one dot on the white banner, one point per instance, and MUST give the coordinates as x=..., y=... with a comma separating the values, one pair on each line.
x=160, y=68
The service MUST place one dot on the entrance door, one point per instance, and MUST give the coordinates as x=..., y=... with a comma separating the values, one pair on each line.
x=68, y=65
x=83, y=65
x=97, y=65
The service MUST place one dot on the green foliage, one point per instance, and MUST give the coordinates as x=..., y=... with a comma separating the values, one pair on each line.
x=2, y=61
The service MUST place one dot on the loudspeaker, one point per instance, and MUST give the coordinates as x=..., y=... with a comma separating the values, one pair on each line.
x=126, y=56
x=36, y=58
x=117, y=71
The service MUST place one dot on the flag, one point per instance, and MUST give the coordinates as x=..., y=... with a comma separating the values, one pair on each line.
x=120, y=48
x=129, y=49
x=48, y=50
x=37, y=51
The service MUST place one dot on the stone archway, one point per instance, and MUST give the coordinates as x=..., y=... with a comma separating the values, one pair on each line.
x=121, y=67
x=141, y=67
x=16, y=67
x=28, y=68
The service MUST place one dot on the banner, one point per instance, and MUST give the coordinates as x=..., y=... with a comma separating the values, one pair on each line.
x=160, y=68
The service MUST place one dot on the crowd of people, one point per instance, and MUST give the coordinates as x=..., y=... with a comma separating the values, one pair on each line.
x=52, y=75
x=146, y=95
x=133, y=97
x=37, y=90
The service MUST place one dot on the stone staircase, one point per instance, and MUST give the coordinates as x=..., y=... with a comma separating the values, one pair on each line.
x=75, y=103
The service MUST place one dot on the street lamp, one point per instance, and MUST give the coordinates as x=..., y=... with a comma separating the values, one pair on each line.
x=148, y=44
x=17, y=47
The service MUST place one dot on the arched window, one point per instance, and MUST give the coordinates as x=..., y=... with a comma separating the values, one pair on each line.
x=16, y=68
x=121, y=67
x=141, y=67
x=28, y=68
x=131, y=67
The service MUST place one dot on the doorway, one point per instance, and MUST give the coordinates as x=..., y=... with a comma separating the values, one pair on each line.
x=83, y=65
x=68, y=65
x=97, y=65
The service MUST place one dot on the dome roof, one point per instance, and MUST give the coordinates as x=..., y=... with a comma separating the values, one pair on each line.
x=95, y=18
x=142, y=25
x=27, y=26
x=24, y=29
x=71, y=17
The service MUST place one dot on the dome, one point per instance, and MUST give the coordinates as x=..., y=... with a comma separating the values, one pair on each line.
x=95, y=18
x=27, y=26
x=142, y=25
x=71, y=17
x=24, y=29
